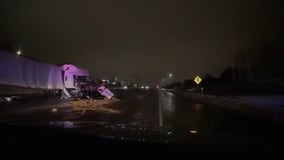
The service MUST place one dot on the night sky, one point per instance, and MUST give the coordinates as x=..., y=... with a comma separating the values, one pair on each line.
x=139, y=38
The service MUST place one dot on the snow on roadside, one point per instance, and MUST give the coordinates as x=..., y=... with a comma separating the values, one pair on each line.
x=271, y=100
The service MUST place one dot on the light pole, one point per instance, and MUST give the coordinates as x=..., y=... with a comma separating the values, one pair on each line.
x=19, y=52
x=162, y=82
x=171, y=76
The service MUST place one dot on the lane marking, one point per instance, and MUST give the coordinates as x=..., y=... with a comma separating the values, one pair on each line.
x=160, y=111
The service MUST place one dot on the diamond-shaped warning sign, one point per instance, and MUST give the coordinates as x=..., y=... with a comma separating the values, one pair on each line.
x=197, y=80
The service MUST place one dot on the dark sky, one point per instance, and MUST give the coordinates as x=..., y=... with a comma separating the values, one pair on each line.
x=147, y=38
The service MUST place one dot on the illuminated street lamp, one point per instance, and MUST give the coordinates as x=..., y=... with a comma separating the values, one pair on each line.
x=170, y=75
x=19, y=52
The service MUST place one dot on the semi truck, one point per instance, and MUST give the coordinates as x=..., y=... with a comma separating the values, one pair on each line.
x=20, y=71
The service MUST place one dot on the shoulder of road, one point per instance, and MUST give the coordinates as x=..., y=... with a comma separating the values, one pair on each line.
x=268, y=107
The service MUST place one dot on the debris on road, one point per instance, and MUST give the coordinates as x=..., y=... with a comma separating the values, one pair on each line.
x=9, y=98
x=64, y=124
x=193, y=131
x=54, y=109
x=85, y=103
x=82, y=106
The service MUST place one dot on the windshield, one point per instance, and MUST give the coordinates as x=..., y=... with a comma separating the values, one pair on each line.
x=193, y=72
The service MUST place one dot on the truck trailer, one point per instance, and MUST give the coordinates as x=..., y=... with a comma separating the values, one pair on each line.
x=17, y=70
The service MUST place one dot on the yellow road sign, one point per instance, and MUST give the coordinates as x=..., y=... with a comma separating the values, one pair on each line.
x=197, y=79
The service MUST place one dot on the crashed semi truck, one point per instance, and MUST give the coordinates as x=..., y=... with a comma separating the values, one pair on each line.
x=69, y=80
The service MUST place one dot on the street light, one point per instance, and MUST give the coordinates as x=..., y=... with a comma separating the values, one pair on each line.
x=19, y=52
x=171, y=78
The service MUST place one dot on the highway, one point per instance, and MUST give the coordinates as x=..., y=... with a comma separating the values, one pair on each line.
x=150, y=115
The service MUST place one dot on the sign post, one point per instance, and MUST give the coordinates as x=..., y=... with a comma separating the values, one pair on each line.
x=197, y=80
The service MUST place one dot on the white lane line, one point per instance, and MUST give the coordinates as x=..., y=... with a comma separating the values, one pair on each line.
x=160, y=111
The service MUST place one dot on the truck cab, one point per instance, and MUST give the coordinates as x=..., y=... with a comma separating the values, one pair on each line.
x=73, y=75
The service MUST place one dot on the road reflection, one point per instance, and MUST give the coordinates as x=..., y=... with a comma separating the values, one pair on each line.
x=167, y=101
x=180, y=113
x=197, y=107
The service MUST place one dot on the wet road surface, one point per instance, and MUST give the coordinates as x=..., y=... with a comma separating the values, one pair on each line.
x=152, y=115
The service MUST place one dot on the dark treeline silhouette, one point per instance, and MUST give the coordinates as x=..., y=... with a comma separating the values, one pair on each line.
x=261, y=63
x=257, y=70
